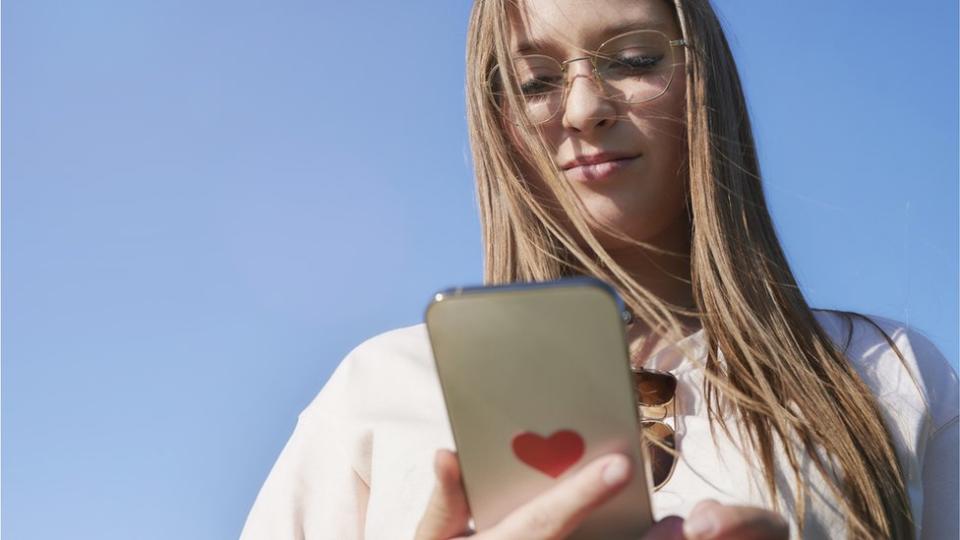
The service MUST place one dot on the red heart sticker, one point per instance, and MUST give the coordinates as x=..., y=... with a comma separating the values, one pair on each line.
x=550, y=455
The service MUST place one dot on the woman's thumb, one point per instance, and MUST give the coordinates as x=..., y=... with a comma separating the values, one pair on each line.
x=447, y=513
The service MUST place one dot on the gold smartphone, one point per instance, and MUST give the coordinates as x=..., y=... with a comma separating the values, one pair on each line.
x=537, y=384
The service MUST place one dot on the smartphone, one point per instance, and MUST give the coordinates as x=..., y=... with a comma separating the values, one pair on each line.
x=537, y=383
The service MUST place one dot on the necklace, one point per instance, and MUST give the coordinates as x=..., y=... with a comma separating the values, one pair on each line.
x=646, y=343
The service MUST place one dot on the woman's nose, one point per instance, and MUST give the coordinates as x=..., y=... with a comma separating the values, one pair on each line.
x=586, y=108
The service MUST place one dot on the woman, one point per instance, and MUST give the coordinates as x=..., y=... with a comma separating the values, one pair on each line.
x=611, y=139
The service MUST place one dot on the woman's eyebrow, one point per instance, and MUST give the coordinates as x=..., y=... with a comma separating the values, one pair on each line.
x=597, y=36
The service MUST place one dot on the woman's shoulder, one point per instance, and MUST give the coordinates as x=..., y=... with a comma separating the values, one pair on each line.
x=390, y=372
x=406, y=348
x=898, y=362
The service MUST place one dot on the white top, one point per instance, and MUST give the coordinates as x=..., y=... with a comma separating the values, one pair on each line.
x=360, y=461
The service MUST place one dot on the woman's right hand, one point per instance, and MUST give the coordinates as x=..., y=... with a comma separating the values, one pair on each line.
x=552, y=515
x=557, y=512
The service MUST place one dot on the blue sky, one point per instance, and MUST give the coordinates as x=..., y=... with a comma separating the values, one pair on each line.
x=207, y=204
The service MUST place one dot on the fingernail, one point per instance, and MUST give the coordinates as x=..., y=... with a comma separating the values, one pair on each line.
x=616, y=470
x=699, y=525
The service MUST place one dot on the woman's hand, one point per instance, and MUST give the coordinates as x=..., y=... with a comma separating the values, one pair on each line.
x=710, y=520
x=553, y=514
x=557, y=512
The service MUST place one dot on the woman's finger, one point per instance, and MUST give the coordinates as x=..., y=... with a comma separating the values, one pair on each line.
x=558, y=511
x=447, y=513
x=710, y=520
x=668, y=528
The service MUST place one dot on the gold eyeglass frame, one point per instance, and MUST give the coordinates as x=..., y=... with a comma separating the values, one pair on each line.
x=593, y=58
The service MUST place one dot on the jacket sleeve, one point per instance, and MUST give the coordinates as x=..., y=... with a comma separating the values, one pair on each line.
x=314, y=489
x=939, y=518
x=940, y=486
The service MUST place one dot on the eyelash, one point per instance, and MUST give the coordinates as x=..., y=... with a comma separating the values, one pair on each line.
x=634, y=63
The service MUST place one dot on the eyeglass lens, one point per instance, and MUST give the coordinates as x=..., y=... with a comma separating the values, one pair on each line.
x=654, y=388
x=661, y=459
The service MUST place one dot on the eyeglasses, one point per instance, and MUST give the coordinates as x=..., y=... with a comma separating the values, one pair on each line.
x=630, y=68
x=655, y=393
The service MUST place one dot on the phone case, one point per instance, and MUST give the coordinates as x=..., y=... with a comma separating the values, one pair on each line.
x=537, y=384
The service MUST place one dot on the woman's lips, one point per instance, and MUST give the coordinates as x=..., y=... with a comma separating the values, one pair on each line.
x=593, y=172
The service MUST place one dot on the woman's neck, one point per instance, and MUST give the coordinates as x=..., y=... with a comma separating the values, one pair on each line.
x=665, y=275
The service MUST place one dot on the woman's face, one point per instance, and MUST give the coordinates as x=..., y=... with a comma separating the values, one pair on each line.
x=626, y=161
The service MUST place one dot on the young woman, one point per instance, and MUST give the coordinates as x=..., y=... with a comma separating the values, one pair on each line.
x=611, y=139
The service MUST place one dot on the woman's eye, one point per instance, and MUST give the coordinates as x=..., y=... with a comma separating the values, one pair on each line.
x=633, y=64
x=540, y=85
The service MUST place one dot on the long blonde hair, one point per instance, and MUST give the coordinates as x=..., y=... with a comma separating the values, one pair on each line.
x=793, y=389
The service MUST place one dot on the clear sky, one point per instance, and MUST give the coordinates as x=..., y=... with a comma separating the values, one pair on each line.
x=207, y=204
